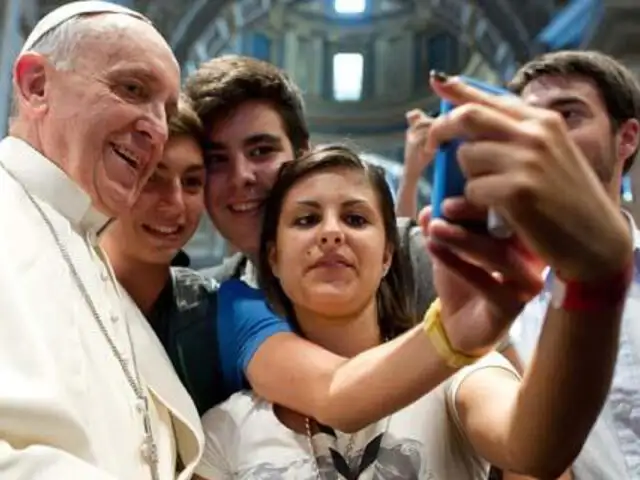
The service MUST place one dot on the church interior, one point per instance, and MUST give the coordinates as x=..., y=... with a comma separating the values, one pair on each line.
x=362, y=64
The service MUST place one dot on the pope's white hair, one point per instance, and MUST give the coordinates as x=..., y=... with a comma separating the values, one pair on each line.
x=63, y=44
x=60, y=45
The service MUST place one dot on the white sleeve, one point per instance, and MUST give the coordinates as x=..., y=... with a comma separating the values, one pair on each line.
x=35, y=420
x=219, y=430
x=491, y=360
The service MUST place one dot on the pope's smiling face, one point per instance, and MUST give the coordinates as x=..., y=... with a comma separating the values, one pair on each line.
x=103, y=119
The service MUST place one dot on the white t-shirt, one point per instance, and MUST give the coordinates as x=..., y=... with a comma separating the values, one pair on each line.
x=612, y=449
x=424, y=441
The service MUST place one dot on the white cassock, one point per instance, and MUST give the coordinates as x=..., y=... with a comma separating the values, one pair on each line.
x=66, y=408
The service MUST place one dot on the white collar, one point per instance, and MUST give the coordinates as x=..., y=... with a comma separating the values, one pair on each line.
x=250, y=274
x=43, y=179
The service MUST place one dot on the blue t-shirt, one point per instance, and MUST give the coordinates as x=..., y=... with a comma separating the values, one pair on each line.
x=244, y=322
x=211, y=333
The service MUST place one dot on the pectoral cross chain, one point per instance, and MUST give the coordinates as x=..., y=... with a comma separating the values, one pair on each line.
x=149, y=449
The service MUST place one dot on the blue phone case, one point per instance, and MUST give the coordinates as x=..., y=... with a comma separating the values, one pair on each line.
x=448, y=180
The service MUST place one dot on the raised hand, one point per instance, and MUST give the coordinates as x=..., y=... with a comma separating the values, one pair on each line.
x=483, y=282
x=519, y=160
x=416, y=157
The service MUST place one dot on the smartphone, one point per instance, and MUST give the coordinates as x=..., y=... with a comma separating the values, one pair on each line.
x=448, y=179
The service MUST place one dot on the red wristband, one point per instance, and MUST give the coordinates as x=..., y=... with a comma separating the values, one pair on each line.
x=576, y=296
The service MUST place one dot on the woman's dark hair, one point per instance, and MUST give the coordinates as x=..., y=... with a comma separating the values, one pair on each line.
x=393, y=300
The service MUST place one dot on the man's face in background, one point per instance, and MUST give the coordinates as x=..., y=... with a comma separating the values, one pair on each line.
x=580, y=103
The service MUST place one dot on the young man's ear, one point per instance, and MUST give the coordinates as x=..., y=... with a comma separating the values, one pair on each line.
x=30, y=78
x=628, y=140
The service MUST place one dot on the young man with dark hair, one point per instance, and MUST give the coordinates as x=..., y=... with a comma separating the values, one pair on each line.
x=223, y=84
x=584, y=73
x=145, y=242
x=599, y=99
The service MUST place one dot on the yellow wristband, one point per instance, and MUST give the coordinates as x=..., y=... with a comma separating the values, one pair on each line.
x=435, y=331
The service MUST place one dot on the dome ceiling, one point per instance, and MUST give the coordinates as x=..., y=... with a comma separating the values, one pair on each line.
x=190, y=25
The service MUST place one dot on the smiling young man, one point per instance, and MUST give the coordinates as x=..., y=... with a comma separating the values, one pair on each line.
x=144, y=242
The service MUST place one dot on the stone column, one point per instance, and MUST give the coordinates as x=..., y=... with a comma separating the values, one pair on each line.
x=11, y=40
